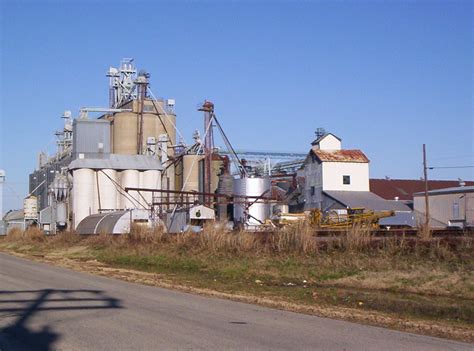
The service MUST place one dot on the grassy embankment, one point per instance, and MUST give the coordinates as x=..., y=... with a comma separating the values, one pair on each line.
x=423, y=286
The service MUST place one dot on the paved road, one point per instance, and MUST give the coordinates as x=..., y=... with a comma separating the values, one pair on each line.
x=43, y=307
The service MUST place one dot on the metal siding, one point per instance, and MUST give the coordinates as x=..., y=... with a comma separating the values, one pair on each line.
x=470, y=210
x=400, y=219
x=441, y=205
x=88, y=134
x=176, y=223
x=100, y=223
x=48, y=172
x=454, y=190
x=119, y=162
x=366, y=200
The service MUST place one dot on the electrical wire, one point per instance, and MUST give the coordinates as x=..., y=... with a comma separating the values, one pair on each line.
x=447, y=167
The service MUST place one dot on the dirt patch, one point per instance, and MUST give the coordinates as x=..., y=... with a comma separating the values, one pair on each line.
x=420, y=281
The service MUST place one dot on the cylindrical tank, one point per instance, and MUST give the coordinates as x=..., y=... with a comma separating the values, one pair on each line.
x=150, y=180
x=125, y=133
x=125, y=127
x=61, y=214
x=191, y=172
x=149, y=128
x=83, y=194
x=106, y=189
x=30, y=207
x=256, y=213
x=130, y=179
x=225, y=187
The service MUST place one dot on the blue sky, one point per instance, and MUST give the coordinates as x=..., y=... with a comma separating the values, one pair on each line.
x=384, y=76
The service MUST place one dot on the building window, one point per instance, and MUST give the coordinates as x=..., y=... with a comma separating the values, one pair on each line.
x=313, y=191
x=346, y=179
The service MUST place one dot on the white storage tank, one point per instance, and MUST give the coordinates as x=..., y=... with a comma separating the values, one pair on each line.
x=130, y=179
x=106, y=192
x=258, y=211
x=149, y=180
x=83, y=194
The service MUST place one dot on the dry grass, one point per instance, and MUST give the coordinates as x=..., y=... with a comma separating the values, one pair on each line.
x=32, y=234
x=295, y=241
x=216, y=239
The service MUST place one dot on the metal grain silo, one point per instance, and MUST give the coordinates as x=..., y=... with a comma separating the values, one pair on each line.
x=130, y=179
x=165, y=120
x=106, y=192
x=149, y=128
x=251, y=212
x=83, y=194
x=149, y=180
x=125, y=133
x=191, y=172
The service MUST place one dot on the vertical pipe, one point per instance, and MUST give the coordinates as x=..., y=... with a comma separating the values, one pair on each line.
x=208, y=109
x=141, y=101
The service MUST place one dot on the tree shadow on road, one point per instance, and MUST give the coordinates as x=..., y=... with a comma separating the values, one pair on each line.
x=25, y=304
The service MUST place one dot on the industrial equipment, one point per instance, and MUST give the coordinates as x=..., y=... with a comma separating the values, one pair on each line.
x=333, y=219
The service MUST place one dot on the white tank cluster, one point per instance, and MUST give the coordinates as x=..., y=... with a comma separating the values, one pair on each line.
x=100, y=190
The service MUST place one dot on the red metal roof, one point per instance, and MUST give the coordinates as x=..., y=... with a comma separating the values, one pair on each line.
x=405, y=188
x=340, y=156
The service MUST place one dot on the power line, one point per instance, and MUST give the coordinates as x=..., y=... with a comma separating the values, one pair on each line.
x=451, y=167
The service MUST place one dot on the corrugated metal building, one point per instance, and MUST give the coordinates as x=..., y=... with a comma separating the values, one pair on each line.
x=403, y=189
x=41, y=179
x=119, y=222
x=448, y=207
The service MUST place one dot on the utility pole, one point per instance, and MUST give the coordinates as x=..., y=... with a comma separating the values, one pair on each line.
x=427, y=203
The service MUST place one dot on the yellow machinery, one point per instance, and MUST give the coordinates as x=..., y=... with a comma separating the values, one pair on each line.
x=333, y=219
